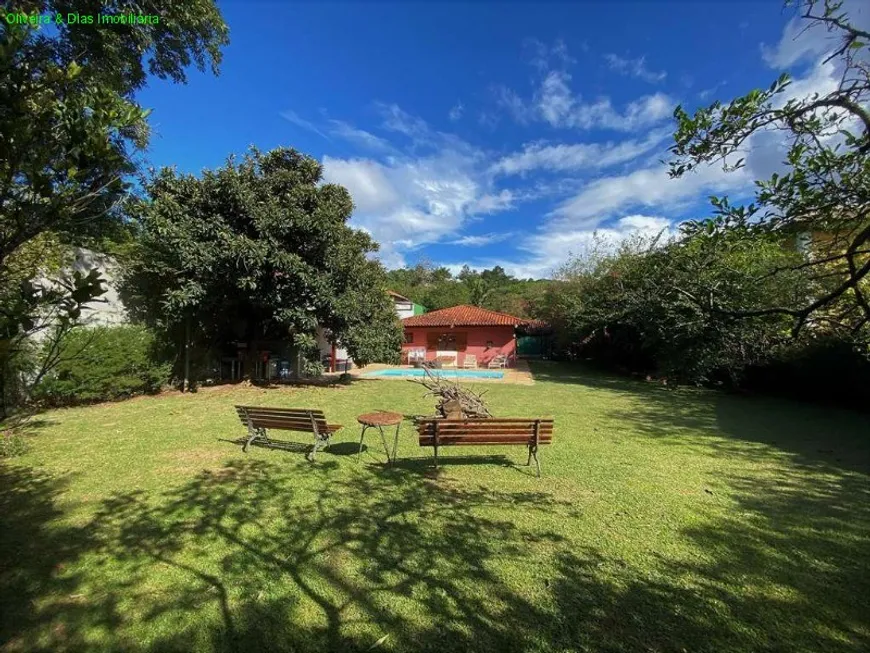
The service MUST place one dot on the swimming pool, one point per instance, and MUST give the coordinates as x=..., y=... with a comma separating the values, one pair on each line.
x=447, y=374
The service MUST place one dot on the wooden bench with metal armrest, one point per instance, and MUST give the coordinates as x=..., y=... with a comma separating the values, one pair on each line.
x=259, y=420
x=531, y=433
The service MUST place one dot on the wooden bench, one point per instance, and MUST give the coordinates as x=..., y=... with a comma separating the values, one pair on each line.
x=531, y=433
x=258, y=420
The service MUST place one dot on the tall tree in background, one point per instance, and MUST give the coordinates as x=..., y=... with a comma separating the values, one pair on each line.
x=822, y=192
x=69, y=131
x=255, y=251
x=436, y=288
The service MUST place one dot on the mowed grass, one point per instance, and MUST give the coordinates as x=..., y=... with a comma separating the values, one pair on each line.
x=665, y=521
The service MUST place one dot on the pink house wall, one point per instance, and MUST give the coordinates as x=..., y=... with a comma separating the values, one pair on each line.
x=502, y=337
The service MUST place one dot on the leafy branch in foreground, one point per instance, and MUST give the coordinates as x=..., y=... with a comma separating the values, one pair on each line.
x=820, y=200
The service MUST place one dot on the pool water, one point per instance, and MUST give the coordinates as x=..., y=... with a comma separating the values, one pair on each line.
x=447, y=374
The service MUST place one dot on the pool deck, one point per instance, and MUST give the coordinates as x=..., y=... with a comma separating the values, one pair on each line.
x=519, y=375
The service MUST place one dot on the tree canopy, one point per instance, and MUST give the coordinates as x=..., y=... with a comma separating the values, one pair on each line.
x=821, y=193
x=259, y=250
x=76, y=83
x=70, y=129
x=437, y=287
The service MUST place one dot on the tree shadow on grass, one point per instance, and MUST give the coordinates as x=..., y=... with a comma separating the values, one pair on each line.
x=730, y=424
x=813, y=437
x=803, y=545
x=36, y=551
x=247, y=558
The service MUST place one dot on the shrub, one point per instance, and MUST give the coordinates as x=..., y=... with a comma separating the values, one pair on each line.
x=102, y=364
x=313, y=368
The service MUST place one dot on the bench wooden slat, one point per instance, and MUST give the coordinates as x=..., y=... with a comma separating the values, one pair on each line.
x=257, y=419
x=253, y=415
x=275, y=416
x=483, y=420
x=284, y=408
x=285, y=425
x=452, y=423
x=508, y=439
x=483, y=428
x=527, y=432
x=280, y=413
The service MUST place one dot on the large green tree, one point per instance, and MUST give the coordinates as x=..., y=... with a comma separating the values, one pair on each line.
x=635, y=307
x=70, y=129
x=258, y=250
x=822, y=193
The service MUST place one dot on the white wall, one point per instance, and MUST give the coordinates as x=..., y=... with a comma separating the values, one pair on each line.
x=107, y=309
x=404, y=309
x=326, y=347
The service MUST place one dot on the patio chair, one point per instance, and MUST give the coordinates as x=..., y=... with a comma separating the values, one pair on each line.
x=416, y=356
x=470, y=361
x=448, y=360
x=500, y=360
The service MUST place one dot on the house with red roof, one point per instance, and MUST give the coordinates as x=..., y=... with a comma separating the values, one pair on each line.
x=456, y=332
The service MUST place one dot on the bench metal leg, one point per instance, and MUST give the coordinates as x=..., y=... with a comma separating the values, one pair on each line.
x=319, y=443
x=254, y=434
x=436, y=456
x=533, y=453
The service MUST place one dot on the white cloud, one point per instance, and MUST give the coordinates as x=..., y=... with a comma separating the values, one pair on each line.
x=405, y=200
x=511, y=102
x=296, y=119
x=634, y=68
x=366, y=180
x=802, y=40
x=494, y=203
x=650, y=187
x=480, y=241
x=357, y=136
x=456, y=112
x=704, y=94
x=540, y=54
x=398, y=120
x=646, y=188
x=579, y=156
x=796, y=43
x=554, y=102
x=487, y=120
x=554, y=99
x=549, y=248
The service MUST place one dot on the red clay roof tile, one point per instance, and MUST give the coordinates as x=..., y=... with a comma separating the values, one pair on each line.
x=462, y=315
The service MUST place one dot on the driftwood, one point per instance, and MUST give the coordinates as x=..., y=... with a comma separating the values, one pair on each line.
x=454, y=401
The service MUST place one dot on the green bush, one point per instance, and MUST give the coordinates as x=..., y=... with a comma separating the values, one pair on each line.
x=103, y=364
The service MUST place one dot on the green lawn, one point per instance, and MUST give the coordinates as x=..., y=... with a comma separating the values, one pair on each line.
x=665, y=521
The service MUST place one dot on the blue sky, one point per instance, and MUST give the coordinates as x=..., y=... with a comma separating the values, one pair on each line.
x=487, y=133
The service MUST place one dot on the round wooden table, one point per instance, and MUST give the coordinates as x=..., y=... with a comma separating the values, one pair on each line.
x=379, y=420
